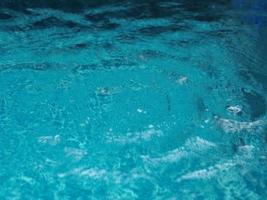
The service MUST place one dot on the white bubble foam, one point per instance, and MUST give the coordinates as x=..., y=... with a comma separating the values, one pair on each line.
x=232, y=126
x=190, y=147
x=51, y=140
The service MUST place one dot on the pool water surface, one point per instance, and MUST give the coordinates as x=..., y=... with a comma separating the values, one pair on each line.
x=133, y=100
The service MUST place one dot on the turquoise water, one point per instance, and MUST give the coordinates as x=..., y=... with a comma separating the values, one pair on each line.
x=133, y=100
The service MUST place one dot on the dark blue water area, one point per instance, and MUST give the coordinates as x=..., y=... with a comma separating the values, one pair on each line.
x=133, y=99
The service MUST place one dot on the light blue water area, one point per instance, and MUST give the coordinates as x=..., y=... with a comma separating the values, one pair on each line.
x=133, y=100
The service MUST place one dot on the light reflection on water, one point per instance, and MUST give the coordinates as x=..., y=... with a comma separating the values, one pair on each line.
x=133, y=100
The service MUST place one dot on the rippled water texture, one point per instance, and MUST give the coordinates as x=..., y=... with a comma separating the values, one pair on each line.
x=133, y=99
